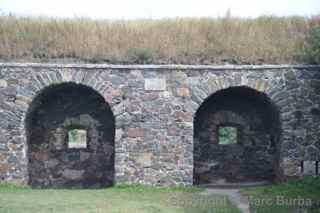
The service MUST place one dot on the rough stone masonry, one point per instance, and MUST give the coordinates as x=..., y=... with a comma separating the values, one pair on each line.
x=157, y=124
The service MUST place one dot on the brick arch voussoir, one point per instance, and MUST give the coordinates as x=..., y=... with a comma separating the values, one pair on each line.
x=208, y=86
x=40, y=81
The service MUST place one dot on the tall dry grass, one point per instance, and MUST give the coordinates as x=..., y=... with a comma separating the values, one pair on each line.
x=186, y=40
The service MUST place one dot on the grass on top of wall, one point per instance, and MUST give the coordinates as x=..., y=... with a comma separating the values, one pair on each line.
x=264, y=40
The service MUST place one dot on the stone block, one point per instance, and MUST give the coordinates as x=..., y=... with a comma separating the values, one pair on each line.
x=173, y=130
x=4, y=168
x=309, y=168
x=42, y=156
x=3, y=83
x=312, y=152
x=72, y=174
x=119, y=134
x=145, y=159
x=166, y=94
x=67, y=75
x=261, y=85
x=135, y=132
x=84, y=156
x=52, y=163
x=150, y=96
x=183, y=92
x=72, y=156
x=155, y=84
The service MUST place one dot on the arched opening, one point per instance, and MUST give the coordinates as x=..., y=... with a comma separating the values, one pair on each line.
x=70, y=134
x=236, y=138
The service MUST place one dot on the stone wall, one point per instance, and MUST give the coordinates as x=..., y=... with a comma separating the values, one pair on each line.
x=154, y=108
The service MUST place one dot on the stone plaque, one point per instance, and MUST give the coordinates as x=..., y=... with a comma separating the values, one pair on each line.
x=74, y=156
x=155, y=84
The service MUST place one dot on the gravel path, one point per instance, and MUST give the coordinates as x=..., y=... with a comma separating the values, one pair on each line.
x=233, y=195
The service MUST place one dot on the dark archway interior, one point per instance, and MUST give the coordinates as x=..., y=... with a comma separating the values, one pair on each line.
x=52, y=162
x=254, y=156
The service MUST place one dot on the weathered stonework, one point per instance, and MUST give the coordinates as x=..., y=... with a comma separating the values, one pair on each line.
x=253, y=157
x=154, y=124
x=55, y=111
x=309, y=167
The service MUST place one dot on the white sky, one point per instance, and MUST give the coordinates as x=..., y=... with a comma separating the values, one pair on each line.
x=132, y=9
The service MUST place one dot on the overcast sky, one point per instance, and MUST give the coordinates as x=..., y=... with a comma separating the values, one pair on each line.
x=132, y=9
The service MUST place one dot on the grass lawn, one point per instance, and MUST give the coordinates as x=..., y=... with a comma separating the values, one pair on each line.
x=119, y=199
x=286, y=198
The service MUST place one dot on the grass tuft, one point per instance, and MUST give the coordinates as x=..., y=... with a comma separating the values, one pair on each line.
x=12, y=187
x=144, y=188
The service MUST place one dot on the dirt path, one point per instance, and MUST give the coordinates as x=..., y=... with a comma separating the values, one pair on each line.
x=233, y=195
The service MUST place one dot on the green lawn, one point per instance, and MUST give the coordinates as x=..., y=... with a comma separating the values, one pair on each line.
x=120, y=199
x=286, y=198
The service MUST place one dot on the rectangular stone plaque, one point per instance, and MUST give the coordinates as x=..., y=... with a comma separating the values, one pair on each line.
x=155, y=84
x=74, y=156
x=309, y=167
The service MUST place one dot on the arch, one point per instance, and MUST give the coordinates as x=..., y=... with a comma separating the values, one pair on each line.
x=255, y=155
x=54, y=111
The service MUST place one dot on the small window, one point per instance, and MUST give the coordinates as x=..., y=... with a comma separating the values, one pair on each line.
x=227, y=135
x=77, y=139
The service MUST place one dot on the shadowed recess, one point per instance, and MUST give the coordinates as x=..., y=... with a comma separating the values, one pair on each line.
x=251, y=121
x=54, y=114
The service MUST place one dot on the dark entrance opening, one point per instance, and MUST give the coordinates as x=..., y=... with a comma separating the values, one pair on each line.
x=70, y=133
x=236, y=138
